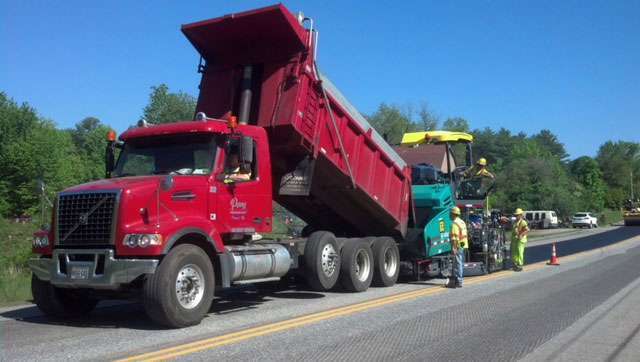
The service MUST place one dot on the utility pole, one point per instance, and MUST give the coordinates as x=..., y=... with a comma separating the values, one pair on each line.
x=632, y=198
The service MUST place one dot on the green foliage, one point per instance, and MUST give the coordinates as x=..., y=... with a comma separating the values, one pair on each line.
x=32, y=149
x=167, y=107
x=427, y=118
x=15, y=243
x=532, y=171
x=16, y=123
x=89, y=139
x=391, y=123
x=15, y=287
x=620, y=165
x=608, y=216
x=534, y=179
x=549, y=142
x=47, y=154
x=590, y=189
x=456, y=124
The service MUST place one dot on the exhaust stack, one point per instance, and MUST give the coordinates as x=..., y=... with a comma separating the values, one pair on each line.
x=245, y=95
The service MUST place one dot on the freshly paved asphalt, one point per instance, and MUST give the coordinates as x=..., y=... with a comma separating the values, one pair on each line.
x=507, y=318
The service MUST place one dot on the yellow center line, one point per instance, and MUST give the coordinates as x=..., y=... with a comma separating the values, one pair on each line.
x=192, y=347
x=245, y=334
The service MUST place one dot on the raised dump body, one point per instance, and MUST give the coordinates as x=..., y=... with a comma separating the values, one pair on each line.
x=330, y=167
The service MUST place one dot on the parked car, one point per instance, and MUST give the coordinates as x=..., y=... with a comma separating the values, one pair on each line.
x=584, y=219
x=542, y=219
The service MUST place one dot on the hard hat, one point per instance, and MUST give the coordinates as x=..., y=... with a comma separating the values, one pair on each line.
x=455, y=210
x=518, y=211
x=482, y=161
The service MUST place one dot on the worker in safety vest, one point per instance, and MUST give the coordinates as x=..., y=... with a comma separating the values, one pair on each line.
x=479, y=170
x=459, y=244
x=519, y=240
x=234, y=172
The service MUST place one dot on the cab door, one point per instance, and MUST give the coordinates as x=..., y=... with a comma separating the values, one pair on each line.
x=243, y=206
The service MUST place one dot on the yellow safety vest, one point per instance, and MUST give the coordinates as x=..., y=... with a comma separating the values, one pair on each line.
x=478, y=172
x=520, y=227
x=459, y=233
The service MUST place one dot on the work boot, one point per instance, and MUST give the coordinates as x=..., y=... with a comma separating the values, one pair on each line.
x=451, y=284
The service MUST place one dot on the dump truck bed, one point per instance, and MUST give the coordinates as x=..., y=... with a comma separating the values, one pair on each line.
x=330, y=167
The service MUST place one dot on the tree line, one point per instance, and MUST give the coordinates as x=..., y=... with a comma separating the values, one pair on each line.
x=33, y=149
x=532, y=171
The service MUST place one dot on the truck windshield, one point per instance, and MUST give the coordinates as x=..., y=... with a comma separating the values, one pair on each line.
x=185, y=154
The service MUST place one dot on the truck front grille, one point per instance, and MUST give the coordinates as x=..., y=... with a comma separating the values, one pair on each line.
x=86, y=218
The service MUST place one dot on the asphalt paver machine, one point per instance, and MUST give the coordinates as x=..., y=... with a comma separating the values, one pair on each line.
x=435, y=191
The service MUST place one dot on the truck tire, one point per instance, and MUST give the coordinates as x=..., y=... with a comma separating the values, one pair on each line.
x=60, y=302
x=386, y=262
x=180, y=292
x=357, y=266
x=322, y=261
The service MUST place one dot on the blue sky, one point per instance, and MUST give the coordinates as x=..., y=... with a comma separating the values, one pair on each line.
x=570, y=66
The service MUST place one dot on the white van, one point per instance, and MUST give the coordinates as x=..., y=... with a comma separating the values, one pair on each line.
x=541, y=219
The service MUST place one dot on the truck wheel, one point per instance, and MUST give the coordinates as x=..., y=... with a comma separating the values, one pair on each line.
x=322, y=261
x=357, y=266
x=386, y=262
x=60, y=302
x=180, y=292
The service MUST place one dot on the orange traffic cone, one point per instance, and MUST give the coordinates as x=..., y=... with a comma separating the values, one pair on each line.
x=554, y=258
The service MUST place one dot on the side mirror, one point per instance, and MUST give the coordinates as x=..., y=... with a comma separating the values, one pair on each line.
x=247, y=149
x=110, y=158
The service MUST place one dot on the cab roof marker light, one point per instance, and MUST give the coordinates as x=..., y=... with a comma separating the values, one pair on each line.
x=232, y=122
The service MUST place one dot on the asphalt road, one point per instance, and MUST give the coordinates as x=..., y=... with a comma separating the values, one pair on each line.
x=503, y=316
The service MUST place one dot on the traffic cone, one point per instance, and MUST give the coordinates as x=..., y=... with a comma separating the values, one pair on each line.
x=554, y=258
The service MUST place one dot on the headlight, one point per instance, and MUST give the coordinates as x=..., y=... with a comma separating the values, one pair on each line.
x=40, y=241
x=142, y=240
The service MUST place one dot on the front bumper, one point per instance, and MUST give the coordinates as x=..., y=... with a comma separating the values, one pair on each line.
x=90, y=268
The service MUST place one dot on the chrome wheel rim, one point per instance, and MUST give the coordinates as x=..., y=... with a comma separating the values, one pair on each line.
x=390, y=262
x=363, y=265
x=329, y=259
x=190, y=286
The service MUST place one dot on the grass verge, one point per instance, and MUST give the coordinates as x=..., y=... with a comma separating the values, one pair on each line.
x=15, y=250
x=609, y=217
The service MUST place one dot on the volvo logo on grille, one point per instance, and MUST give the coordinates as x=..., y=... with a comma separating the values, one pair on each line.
x=83, y=219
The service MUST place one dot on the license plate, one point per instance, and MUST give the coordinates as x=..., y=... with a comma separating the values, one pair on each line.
x=80, y=272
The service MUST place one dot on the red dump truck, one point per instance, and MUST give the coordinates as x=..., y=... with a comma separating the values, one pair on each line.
x=178, y=216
